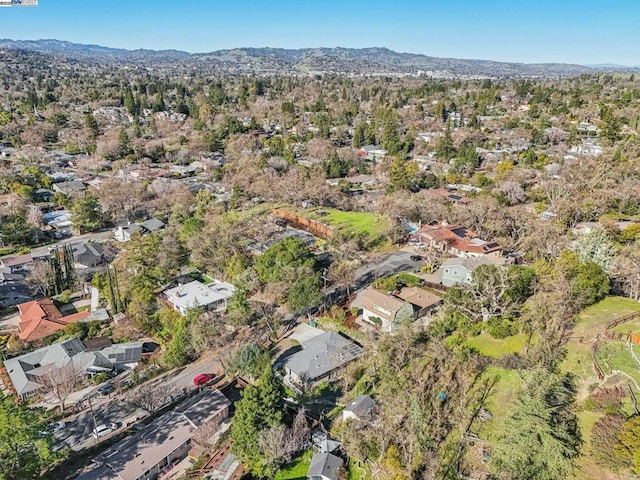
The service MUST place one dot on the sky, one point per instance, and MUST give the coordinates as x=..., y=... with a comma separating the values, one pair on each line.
x=568, y=31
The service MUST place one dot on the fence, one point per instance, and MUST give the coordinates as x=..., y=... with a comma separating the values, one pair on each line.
x=314, y=227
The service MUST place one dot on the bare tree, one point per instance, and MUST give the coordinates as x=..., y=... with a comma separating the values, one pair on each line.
x=279, y=443
x=60, y=382
x=38, y=278
x=151, y=398
x=204, y=434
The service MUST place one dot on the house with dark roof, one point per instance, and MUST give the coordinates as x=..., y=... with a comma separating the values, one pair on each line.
x=88, y=255
x=123, y=233
x=41, y=318
x=325, y=466
x=360, y=408
x=151, y=452
x=71, y=187
x=456, y=240
x=320, y=357
x=26, y=370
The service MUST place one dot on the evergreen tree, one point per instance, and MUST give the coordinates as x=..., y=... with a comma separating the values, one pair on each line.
x=359, y=136
x=445, y=148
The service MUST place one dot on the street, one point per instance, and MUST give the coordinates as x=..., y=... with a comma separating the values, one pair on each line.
x=114, y=409
x=86, y=237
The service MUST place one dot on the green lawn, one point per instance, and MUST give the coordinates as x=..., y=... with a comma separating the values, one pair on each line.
x=592, y=320
x=616, y=356
x=371, y=226
x=495, y=347
x=297, y=469
x=500, y=400
x=357, y=473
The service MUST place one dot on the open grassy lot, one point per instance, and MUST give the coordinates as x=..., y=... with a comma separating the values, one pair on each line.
x=369, y=226
x=496, y=347
x=593, y=319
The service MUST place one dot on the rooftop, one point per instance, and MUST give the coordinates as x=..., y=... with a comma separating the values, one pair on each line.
x=323, y=354
x=131, y=458
x=196, y=294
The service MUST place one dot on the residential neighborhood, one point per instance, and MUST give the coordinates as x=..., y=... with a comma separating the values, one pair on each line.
x=325, y=263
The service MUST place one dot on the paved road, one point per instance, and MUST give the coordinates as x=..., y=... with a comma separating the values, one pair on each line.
x=77, y=434
x=389, y=264
x=87, y=237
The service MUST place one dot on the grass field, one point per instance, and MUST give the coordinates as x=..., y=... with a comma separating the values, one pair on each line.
x=500, y=400
x=592, y=320
x=296, y=470
x=495, y=347
x=370, y=226
x=616, y=356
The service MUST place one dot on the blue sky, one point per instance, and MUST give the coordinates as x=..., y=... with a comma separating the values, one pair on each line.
x=584, y=31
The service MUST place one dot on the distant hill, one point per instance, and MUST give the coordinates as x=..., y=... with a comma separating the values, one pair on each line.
x=307, y=60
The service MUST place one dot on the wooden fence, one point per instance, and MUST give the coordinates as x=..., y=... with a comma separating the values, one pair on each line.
x=314, y=227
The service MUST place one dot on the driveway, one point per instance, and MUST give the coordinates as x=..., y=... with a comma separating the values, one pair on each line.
x=384, y=265
x=303, y=333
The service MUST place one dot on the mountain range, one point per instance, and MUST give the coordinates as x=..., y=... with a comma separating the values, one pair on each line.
x=301, y=61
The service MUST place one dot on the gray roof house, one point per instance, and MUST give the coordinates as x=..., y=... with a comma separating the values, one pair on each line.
x=88, y=255
x=198, y=295
x=320, y=356
x=324, y=466
x=149, y=453
x=123, y=233
x=460, y=270
x=360, y=408
x=70, y=187
x=26, y=369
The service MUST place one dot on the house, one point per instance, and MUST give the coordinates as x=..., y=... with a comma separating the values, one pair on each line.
x=88, y=255
x=41, y=318
x=447, y=196
x=27, y=370
x=324, y=466
x=360, y=408
x=152, y=225
x=320, y=356
x=422, y=302
x=382, y=309
x=8, y=278
x=587, y=149
x=460, y=270
x=123, y=233
x=43, y=195
x=13, y=294
x=68, y=188
x=387, y=310
x=372, y=152
x=456, y=240
x=149, y=454
x=197, y=295
x=17, y=264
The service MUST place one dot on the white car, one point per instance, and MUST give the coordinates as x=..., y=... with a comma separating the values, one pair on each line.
x=104, y=429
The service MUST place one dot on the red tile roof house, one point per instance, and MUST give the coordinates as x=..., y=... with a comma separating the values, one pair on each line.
x=457, y=240
x=41, y=318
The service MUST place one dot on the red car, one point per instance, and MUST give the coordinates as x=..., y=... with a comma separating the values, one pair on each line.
x=203, y=379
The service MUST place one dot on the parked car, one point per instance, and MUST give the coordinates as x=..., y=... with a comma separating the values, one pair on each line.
x=203, y=379
x=104, y=429
x=106, y=388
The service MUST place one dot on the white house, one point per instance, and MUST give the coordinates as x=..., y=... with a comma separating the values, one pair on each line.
x=214, y=296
